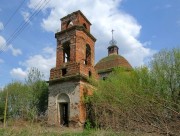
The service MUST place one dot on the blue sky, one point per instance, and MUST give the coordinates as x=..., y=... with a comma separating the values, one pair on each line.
x=142, y=28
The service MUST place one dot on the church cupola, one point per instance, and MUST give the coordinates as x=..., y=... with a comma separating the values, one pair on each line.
x=107, y=64
x=113, y=48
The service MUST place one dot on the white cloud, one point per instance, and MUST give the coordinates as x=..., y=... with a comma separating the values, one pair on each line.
x=18, y=73
x=26, y=16
x=5, y=47
x=38, y=4
x=147, y=43
x=104, y=16
x=15, y=52
x=1, y=26
x=2, y=43
x=49, y=50
x=44, y=62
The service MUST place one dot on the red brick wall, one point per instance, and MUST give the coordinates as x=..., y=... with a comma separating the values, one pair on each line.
x=81, y=40
x=76, y=18
x=78, y=40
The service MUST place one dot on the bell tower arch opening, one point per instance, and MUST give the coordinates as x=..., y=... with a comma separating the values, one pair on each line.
x=69, y=24
x=66, y=52
x=63, y=106
x=88, y=55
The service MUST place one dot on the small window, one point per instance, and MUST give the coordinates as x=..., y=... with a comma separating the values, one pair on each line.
x=64, y=71
x=85, y=62
x=88, y=55
x=85, y=25
x=90, y=74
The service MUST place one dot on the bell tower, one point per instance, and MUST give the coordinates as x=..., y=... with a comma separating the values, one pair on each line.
x=74, y=65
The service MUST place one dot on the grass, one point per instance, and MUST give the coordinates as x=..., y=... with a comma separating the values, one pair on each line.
x=21, y=128
x=42, y=131
x=54, y=131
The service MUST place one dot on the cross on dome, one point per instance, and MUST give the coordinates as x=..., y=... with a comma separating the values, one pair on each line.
x=112, y=42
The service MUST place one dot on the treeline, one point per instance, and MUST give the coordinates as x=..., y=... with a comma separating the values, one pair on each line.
x=141, y=99
x=25, y=100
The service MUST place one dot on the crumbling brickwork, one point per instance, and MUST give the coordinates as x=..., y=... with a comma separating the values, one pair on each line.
x=74, y=65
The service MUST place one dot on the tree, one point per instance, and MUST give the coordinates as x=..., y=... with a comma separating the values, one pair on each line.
x=2, y=104
x=39, y=90
x=16, y=99
x=25, y=100
x=165, y=68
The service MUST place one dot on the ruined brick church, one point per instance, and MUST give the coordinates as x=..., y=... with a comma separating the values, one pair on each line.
x=68, y=82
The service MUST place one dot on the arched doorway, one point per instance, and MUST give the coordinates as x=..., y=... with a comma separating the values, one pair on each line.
x=63, y=103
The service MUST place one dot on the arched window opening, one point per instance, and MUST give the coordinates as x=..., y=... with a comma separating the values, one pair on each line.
x=63, y=98
x=88, y=55
x=66, y=52
x=85, y=25
x=69, y=24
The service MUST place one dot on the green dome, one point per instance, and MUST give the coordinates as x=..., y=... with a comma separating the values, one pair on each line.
x=112, y=61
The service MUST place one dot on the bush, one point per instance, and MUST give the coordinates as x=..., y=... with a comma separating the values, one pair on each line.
x=141, y=99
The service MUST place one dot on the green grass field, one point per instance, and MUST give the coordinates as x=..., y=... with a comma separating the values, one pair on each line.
x=20, y=128
x=44, y=131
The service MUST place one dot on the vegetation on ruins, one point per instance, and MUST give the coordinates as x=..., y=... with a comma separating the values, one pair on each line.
x=142, y=99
